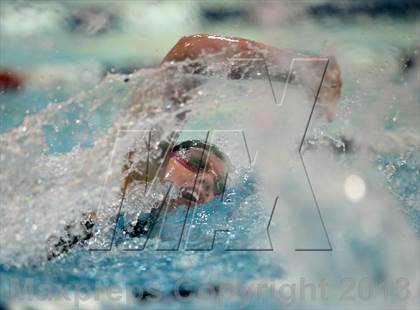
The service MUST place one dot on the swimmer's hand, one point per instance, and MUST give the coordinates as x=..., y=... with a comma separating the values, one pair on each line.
x=330, y=91
x=331, y=87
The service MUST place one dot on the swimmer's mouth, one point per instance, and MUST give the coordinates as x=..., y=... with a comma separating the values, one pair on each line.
x=189, y=194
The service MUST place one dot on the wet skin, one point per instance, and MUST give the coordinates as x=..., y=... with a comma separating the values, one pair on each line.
x=214, y=48
x=196, y=185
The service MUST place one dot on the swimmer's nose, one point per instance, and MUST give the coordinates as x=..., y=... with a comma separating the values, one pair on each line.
x=206, y=183
x=206, y=187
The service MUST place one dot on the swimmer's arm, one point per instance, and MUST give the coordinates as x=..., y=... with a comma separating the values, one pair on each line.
x=221, y=48
x=210, y=48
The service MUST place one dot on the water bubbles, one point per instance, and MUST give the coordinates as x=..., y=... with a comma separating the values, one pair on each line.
x=389, y=171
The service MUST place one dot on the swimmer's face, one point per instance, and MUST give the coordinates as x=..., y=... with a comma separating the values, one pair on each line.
x=199, y=175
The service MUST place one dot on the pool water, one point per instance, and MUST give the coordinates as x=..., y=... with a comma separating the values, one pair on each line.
x=227, y=244
x=61, y=140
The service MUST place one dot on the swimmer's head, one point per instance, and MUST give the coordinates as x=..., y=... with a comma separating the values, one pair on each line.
x=198, y=170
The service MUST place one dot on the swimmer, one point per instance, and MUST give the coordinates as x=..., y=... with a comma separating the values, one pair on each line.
x=197, y=169
x=11, y=80
x=203, y=54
